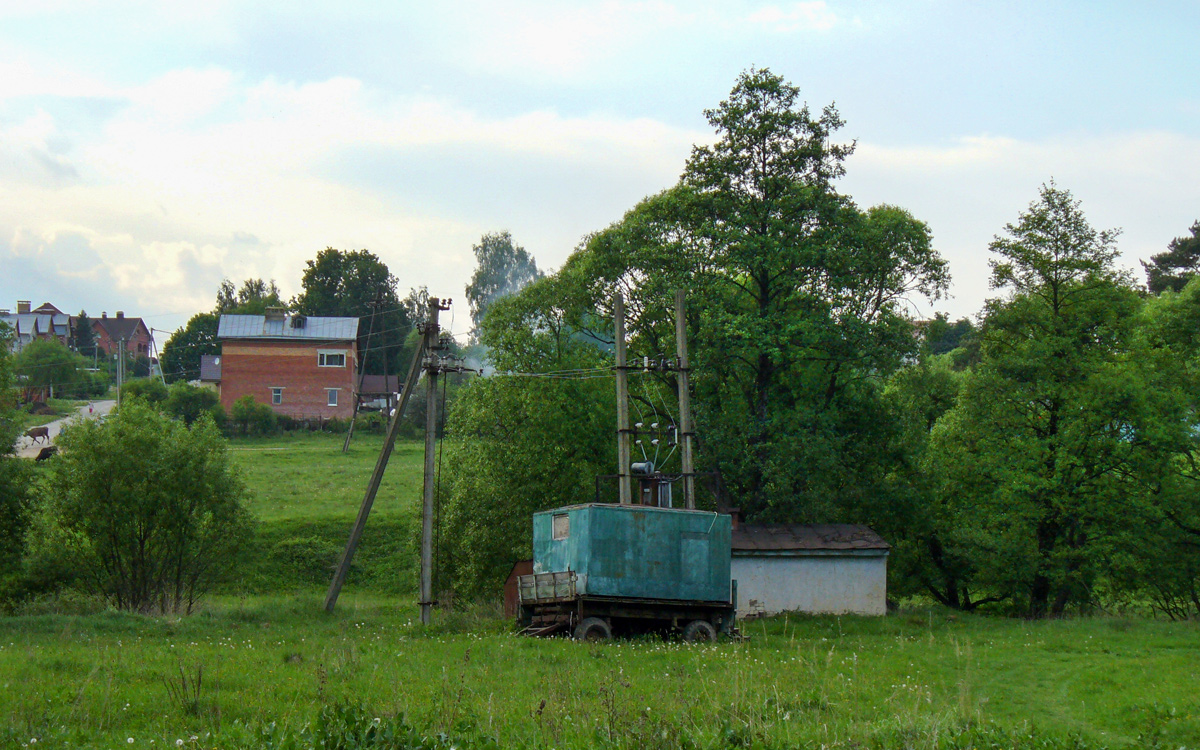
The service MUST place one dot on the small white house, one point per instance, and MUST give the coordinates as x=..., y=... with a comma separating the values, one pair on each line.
x=816, y=568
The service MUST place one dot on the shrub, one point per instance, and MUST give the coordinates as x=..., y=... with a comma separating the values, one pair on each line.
x=187, y=402
x=252, y=417
x=150, y=390
x=151, y=509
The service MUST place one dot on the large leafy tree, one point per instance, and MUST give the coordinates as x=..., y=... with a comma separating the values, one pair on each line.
x=1172, y=269
x=181, y=354
x=796, y=318
x=797, y=301
x=252, y=298
x=503, y=267
x=47, y=367
x=357, y=284
x=84, y=338
x=1035, y=460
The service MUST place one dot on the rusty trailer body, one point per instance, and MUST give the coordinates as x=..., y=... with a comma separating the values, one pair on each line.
x=604, y=568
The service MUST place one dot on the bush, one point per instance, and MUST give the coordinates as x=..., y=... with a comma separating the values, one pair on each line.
x=150, y=390
x=147, y=511
x=252, y=417
x=187, y=402
x=373, y=422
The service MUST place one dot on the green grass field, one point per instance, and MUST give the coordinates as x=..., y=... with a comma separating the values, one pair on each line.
x=261, y=661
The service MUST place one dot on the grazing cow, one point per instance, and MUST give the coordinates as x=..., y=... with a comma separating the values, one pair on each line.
x=38, y=433
x=46, y=453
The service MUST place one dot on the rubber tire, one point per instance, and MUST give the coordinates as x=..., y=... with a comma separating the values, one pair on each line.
x=699, y=631
x=593, y=630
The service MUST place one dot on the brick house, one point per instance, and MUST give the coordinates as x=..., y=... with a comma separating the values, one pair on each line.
x=303, y=367
x=109, y=332
x=28, y=325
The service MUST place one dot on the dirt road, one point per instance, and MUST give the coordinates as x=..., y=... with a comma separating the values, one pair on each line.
x=26, y=448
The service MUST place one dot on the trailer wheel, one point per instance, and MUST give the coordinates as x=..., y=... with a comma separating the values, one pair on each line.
x=593, y=629
x=699, y=631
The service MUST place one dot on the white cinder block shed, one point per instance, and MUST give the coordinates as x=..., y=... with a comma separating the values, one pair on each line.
x=817, y=568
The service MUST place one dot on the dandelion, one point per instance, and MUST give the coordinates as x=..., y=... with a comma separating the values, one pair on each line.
x=178, y=743
x=130, y=740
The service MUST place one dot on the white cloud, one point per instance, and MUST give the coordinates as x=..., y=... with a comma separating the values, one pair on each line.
x=802, y=16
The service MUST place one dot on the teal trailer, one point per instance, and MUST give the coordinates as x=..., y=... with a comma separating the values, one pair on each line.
x=599, y=567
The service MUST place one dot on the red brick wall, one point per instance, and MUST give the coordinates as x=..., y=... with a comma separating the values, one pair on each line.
x=138, y=345
x=255, y=367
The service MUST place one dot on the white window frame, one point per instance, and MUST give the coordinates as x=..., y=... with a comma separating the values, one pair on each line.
x=331, y=396
x=324, y=354
x=276, y=395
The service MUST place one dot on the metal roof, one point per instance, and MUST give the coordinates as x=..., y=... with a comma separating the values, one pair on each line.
x=312, y=328
x=380, y=384
x=794, y=537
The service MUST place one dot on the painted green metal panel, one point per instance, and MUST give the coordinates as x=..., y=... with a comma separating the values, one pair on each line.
x=636, y=551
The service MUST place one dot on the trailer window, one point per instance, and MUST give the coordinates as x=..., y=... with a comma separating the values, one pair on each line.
x=562, y=526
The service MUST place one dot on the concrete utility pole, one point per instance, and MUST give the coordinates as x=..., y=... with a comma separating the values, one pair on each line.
x=624, y=478
x=360, y=523
x=685, y=401
x=432, y=370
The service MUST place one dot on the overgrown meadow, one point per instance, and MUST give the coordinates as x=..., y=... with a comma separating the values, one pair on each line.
x=258, y=669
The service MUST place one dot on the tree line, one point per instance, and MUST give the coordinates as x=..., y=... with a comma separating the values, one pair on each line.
x=1038, y=460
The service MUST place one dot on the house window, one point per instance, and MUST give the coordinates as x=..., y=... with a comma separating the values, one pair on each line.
x=277, y=396
x=331, y=359
x=562, y=526
x=331, y=396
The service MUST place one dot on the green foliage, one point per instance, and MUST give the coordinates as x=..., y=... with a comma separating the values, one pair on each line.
x=150, y=390
x=252, y=417
x=503, y=268
x=44, y=366
x=253, y=298
x=189, y=402
x=1173, y=269
x=150, y=506
x=357, y=284
x=1035, y=461
x=84, y=340
x=181, y=354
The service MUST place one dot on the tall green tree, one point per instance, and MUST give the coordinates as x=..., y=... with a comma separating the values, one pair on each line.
x=357, y=284
x=183, y=350
x=797, y=301
x=252, y=298
x=83, y=337
x=1174, y=268
x=1034, y=460
x=502, y=267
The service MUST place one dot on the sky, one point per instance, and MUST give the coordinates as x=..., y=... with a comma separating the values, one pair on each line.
x=150, y=149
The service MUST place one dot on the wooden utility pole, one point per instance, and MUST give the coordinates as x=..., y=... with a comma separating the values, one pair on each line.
x=339, y=576
x=362, y=373
x=685, y=401
x=120, y=371
x=624, y=478
x=432, y=367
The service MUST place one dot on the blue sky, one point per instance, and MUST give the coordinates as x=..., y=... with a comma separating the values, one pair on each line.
x=148, y=149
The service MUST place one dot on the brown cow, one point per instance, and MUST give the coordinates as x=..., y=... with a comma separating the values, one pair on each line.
x=37, y=433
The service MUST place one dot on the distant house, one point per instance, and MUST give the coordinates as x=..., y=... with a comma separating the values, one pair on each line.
x=303, y=367
x=110, y=332
x=28, y=325
x=818, y=568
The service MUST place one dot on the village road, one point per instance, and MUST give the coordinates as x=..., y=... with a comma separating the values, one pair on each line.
x=26, y=448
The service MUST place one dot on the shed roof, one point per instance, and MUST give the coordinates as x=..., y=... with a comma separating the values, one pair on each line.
x=380, y=384
x=795, y=537
x=210, y=368
x=287, y=327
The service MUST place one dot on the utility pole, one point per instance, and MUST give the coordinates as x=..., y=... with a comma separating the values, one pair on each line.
x=685, y=401
x=360, y=523
x=624, y=478
x=433, y=368
x=120, y=371
x=362, y=373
